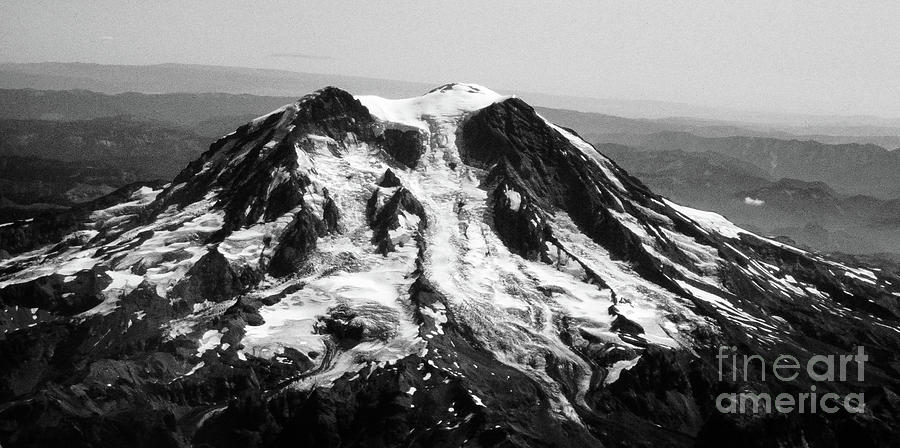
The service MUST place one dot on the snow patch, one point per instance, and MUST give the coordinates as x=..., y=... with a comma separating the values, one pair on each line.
x=615, y=371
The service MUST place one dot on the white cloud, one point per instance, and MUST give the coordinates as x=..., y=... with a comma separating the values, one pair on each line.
x=754, y=202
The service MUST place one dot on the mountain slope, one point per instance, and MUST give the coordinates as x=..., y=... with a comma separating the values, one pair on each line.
x=445, y=270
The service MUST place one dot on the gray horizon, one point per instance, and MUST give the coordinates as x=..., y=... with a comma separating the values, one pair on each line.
x=831, y=59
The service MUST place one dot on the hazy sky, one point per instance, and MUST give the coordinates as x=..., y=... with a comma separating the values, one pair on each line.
x=825, y=57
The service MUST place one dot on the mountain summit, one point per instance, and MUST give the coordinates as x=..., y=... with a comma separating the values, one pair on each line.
x=445, y=270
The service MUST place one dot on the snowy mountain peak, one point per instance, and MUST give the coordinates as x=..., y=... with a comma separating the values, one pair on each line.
x=461, y=86
x=425, y=271
x=442, y=104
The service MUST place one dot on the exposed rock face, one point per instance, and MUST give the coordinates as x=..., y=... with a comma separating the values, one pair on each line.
x=448, y=270
x=404, y=145
x=57, y=293
x=352, y=323
x=390, y=204
x=297, y=241
x=210, y=278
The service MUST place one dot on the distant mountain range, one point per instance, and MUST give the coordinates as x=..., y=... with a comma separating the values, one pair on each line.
x=850, y=168
x=596, y=125
x=209, y=114
x=191, y=78
x=48, y=165
x=185, y=78
x=812, y=214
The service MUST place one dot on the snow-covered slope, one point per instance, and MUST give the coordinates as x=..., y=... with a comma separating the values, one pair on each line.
x=440, y=270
